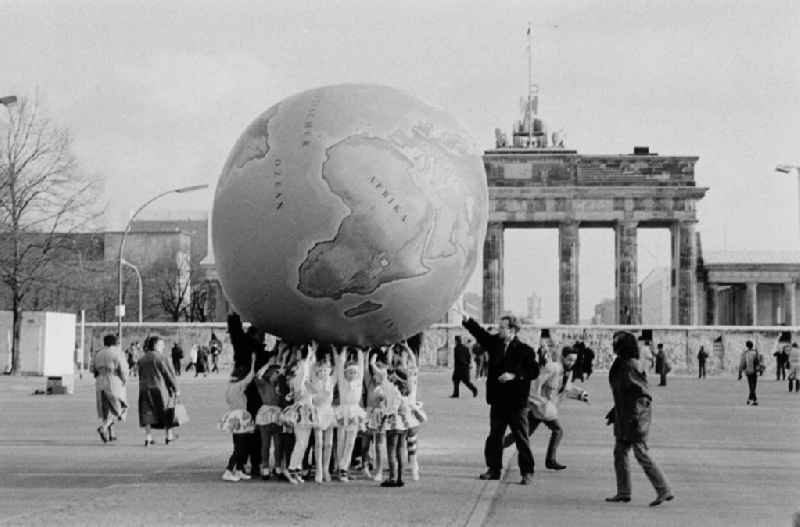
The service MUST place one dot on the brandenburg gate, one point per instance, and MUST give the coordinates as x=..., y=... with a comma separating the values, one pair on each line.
x=536, y=182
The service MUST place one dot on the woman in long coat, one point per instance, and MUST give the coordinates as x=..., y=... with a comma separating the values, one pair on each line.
x=157, y=390
x=631, y=417
x=111, y=377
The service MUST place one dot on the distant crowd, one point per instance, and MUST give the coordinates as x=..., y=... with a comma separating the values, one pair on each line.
x=202, y=358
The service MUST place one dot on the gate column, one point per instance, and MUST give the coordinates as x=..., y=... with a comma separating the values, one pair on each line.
x=568, y=252
x=627, y=269
x=493, y=249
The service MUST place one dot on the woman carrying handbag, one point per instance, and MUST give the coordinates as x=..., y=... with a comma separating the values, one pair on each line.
x=158, y=390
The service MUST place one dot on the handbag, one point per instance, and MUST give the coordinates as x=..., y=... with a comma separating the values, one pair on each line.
x=179, y=414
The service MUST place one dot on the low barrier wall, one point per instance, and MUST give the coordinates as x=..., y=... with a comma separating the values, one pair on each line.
x=724, y=344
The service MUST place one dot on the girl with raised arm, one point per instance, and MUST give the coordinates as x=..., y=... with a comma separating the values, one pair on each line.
x=320, y=385
x=238, y=421
x=349, y=414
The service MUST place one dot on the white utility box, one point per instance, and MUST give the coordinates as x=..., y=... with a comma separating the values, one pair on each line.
x=47, y=343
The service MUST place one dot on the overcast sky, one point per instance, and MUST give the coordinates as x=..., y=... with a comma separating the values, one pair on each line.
x=156, y=94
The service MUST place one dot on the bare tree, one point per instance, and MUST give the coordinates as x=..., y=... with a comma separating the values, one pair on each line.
x=199, y=305
x=43, y=197
x=170, y=280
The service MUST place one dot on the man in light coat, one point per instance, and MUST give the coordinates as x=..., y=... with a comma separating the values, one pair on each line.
x=110, y=370
x=548, y=390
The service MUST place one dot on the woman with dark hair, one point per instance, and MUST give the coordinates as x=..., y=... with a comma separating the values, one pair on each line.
x=157, y=391
x=631, y=419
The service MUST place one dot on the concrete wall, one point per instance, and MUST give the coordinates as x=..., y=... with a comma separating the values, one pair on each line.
x=680, y=342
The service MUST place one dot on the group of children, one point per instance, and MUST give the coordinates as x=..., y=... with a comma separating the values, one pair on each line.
x=327, y=395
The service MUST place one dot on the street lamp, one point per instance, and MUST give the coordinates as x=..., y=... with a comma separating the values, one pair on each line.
x=139, y=278
x=120, y=305
x=788, y=169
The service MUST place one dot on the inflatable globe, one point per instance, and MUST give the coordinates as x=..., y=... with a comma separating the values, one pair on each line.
x=349, y=214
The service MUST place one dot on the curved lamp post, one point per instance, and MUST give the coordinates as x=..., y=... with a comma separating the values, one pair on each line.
x=788, y=169
x=120, y=305
x=139, y=279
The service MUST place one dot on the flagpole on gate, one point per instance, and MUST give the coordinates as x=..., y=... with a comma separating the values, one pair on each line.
x=530, y=86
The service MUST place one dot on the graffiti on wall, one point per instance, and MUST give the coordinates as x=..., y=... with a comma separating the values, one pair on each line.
x=724, y=345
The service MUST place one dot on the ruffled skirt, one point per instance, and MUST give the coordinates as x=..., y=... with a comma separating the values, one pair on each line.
x=268, y=415
x=301, y=415
x=350, y=416
x=374, y=419
x=237, y=422
x=407, y=417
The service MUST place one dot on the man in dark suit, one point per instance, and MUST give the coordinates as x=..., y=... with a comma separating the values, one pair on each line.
x=462, y=360
x=512, y=367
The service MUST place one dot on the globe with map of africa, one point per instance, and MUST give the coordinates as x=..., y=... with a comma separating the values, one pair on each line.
x=349, y=214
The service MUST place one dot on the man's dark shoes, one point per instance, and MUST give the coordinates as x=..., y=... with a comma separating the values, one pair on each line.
x=554, y=465
x=661, y=499
x=527, y=479
x=490, y=474
x=102, y=432
x=619, y=499
x=454, y=396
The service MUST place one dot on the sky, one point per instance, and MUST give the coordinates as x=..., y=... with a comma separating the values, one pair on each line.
x=156, y=93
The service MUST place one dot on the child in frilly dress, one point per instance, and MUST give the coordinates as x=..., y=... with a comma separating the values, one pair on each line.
x=268, y=418
x=299, y=415
x=349, y=414
x=320, y=385
x=410, y=364
x=376, y=383
x=238, y=421
x=396, y=423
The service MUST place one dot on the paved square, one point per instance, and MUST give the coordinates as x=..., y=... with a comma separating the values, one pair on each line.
x=729, y=464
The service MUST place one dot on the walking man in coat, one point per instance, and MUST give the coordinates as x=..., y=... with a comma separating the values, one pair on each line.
x=752, y=366
x=554, y=383
x=110, y=370
x=462, y=360
x=512, y=367
x=631, y=416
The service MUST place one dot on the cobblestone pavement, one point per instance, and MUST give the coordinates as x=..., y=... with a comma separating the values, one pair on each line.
x=729, y=464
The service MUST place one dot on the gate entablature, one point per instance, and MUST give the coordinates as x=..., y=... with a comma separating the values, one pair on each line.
x=556, y=187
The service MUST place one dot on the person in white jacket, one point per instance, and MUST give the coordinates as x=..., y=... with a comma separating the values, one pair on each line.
x=553, y=384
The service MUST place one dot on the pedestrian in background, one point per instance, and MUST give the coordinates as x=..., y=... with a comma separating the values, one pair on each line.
x=177, y=355
x=192, y=358
x=202, y=362
x=794, y=368
x=462, y=361
x=214, y=350
x=752, y=365
x=663, y=366
x=631, y=416
x=702, y=355
x=781, y=360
